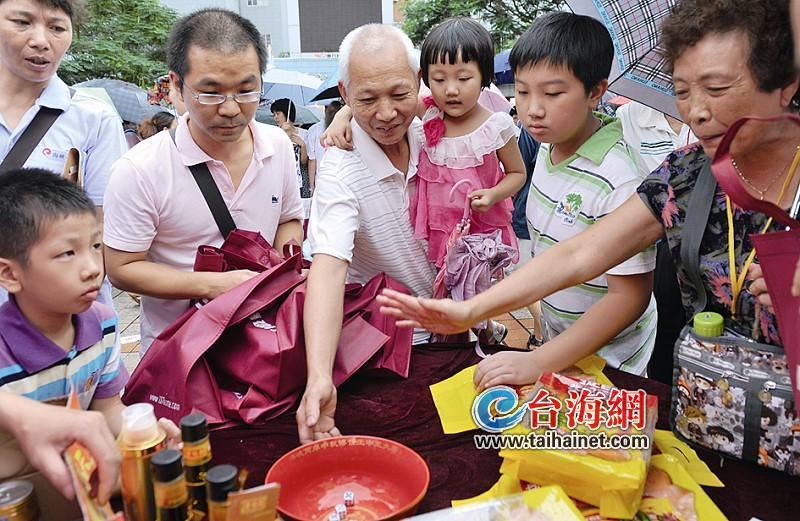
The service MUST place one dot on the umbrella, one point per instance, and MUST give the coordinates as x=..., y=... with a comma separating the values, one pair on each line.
x=97, y=93
x=297, y=86
x=129, y=100
x=472, y=260
x=329, y=88
x=502, y=70
x=638, y=70
x=305, y=116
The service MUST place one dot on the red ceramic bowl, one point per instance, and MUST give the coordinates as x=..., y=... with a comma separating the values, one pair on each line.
x=387, y=479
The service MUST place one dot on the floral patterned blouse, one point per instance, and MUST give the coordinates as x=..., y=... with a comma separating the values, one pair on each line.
x=666, y=192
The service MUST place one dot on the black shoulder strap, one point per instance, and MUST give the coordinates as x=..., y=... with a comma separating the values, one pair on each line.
x=210, y=191
x=694, y=228
x=30, y=137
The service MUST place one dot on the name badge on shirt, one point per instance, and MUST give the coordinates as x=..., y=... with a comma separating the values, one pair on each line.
x=569, y=207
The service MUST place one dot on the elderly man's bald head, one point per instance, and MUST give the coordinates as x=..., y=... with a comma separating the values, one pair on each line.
x=373, y=40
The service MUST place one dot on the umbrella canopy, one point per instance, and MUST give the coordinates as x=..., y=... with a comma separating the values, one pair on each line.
x=305, y=116
x=297, y=86
x=329, y=88
x=502, y=70
x=638, y=70
x=129, y=100
x=98, y=93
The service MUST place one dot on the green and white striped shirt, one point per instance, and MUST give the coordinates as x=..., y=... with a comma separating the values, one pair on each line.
x=567, y=198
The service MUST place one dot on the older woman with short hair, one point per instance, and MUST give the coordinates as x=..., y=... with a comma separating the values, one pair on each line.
x=729, y=59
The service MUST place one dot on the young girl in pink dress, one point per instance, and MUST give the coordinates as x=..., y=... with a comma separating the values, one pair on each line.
x=464, y=140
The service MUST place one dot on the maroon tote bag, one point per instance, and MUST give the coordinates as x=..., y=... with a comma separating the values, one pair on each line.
x=753, y=141
x=240, y=358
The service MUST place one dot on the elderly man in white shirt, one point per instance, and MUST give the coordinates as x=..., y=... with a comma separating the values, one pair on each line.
x=359, y=222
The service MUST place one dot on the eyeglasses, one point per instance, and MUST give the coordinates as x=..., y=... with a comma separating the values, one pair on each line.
x=218, y=99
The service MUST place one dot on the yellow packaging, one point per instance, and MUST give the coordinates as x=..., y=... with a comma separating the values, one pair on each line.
x=613, y=482
x=668, y=443
x=453, y=397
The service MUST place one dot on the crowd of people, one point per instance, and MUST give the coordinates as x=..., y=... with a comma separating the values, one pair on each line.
x=590, y=206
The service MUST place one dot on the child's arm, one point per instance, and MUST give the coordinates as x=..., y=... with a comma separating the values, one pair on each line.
x=339, y=134
x=112, y=408
x=514, y=179
x=626, y=300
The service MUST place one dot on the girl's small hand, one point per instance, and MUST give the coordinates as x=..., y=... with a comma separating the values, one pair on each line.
x=173, y=433
x=482, y=200
x=507, y=368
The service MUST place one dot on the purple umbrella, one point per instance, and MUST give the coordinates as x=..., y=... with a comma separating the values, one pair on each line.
x=472, y=260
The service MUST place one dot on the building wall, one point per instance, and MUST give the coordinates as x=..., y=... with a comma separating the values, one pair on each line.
x=301, y=26
x=325, y=22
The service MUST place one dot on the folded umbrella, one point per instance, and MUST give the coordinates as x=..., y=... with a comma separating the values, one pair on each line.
x=472, y=260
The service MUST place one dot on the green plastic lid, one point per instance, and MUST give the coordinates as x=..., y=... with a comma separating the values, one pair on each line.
x=709, y=323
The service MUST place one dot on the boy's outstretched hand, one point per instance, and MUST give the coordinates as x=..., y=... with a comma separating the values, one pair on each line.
x=506, y=368
x=437, y=316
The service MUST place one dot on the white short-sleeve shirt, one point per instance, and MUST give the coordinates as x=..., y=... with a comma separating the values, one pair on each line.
x=315, y=150
x=155, y=205
x=359, y=213
x=87, y=124
x=649, y=134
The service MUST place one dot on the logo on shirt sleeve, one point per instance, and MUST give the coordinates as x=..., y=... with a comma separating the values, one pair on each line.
x=569, y=208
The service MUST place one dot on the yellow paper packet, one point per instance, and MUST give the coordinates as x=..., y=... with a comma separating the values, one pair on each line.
x=684, y=454
x=453, y=400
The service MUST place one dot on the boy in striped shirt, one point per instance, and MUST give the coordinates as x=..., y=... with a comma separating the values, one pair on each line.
x=54, y=336
x=584, y=170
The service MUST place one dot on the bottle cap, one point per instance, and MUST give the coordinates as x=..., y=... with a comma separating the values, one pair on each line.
x=139, y=424
x=222, y=480
x=708, y=323
x=194, y=427
x=166, y=465
x=14, y=493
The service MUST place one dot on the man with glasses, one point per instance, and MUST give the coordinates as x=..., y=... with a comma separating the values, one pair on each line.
x=156, y=215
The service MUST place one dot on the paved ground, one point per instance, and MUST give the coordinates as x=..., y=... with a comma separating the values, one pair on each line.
x=519, y=324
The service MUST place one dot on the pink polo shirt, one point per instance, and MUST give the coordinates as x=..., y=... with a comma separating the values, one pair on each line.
x=153, y=204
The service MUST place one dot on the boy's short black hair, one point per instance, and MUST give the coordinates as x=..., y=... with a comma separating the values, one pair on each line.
x=216, y=30
x=579, y=43
x=30, y=197
x=459, y=36
x=286, y=107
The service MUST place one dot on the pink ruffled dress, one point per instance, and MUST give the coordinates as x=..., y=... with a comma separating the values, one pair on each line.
x=443, y=162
